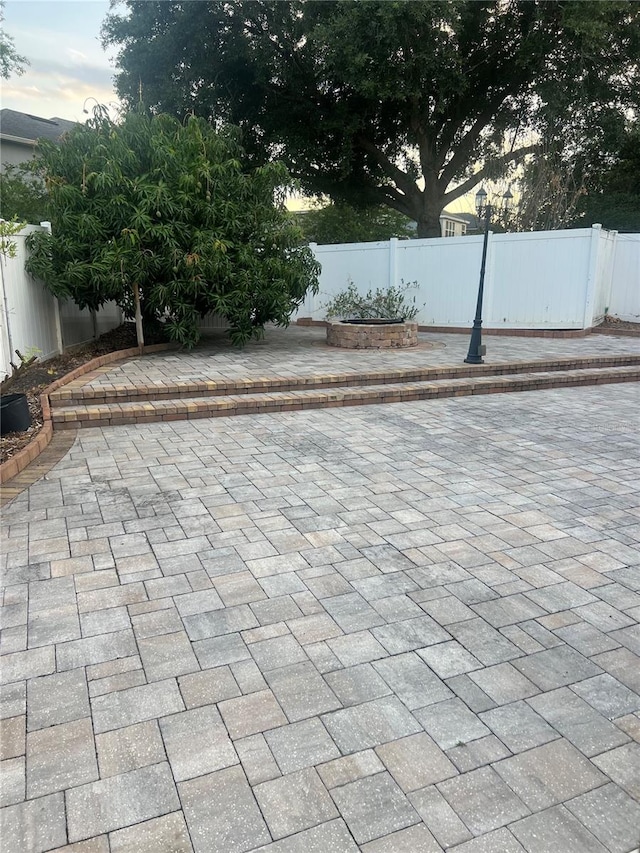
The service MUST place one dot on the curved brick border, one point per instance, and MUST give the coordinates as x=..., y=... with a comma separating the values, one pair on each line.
x=372, y=336
x=17, y=463
x=58, y=447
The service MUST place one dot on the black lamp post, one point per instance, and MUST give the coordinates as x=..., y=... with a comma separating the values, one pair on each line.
x=484, y=210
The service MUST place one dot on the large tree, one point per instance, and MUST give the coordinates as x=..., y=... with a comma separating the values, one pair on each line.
x=408, y=104
x=573, y=187
x=164, y=218
x=613, y=195
x=341, y=223
x=11, y=62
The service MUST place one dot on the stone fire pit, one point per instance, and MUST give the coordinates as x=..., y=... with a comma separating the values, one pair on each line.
x=375, y=334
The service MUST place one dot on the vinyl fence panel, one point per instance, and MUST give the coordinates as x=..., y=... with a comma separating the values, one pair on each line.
x=447, y=270
x=32, y=320
x=28, y=311
x=539, y=280
x=625, y=291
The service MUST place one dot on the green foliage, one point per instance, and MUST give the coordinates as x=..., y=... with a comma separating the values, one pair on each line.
x=10, y=60
x=389, y=304
x=22, y=195
x=575, y=187
x=404, y=104
x=171, y=208
x=613, y=195
x=342, y=223
x=9, y=229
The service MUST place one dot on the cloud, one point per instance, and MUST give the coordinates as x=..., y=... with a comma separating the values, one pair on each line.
x=60, y=38
x=57, y=90
x=76, y=56
x=87, y=73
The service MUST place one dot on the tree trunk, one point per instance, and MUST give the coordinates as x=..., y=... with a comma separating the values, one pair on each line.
x=429, y=226
x=139, y=332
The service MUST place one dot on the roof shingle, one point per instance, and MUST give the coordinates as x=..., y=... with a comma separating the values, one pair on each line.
x=26, y=126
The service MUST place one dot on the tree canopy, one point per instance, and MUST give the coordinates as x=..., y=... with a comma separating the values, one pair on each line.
x=11, y=62
x=341, y=223
x=168, y=211
x=408, y=104
x=613, y=197
x=574, y=187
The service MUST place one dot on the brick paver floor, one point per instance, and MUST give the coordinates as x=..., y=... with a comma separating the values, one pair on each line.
x=392, y=628
x=302, y=351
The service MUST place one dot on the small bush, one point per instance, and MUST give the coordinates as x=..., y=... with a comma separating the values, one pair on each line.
x=390, y=304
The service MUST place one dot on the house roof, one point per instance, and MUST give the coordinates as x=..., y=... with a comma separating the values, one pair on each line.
x=455, y=217
x=469, y=218
x=23, y=126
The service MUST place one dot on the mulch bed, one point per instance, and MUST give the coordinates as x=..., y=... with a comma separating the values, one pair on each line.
x=35, y=378
x=622, y=325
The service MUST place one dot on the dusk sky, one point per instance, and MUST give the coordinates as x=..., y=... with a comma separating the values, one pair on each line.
x=61, y=39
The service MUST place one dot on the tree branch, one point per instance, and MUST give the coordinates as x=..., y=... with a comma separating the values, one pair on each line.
x=466, y=110
x=400, y=178
x=470, y=183
x=464, y=148
x=428, y=161
x=398, y=202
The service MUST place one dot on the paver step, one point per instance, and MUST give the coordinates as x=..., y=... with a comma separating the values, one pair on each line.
x=78, y=392
x=111, y=414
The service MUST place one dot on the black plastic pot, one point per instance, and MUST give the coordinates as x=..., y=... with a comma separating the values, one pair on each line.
x=14, y=413
x=373, y=321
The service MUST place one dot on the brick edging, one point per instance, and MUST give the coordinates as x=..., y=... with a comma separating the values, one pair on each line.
x=58, y=447
x=101, y=360
x=611, y=330
x=466, y=330
x=19, y=461
x=511, y=333
x=114, y=394
x=515, y=333
x=264, y=403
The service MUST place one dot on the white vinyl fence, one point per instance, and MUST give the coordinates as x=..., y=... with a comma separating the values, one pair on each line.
x=625, y=292
x=35, y=322
x=538, y=280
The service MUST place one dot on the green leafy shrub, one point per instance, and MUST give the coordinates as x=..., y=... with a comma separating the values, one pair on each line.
x=22, y=194
x=390, y=304
x=167, y=213
x=8, y=230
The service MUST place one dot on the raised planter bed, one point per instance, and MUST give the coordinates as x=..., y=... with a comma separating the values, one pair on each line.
x=372, y=334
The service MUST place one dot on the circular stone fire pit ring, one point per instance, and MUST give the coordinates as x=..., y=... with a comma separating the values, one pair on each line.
x=375, y=335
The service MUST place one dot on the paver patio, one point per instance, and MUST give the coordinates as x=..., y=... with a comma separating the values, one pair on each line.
x=302, y=351
x=409, y=627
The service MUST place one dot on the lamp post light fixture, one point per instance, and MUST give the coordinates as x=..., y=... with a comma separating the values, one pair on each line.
x=484, y=211
x=507, y=198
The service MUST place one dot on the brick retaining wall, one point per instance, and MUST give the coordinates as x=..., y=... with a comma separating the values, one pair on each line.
x=365, y=336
